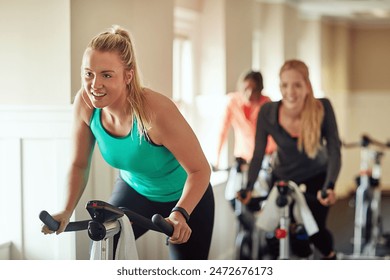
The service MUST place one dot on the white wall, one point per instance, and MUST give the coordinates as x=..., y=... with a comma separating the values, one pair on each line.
x=309, y=49
x=367, y=113
x=35, y=52
x=34, y=148
x=150, y=24
x=238, y=41
x=272, y=57
x=5, y=251
x=212, y=43
x=45, y=41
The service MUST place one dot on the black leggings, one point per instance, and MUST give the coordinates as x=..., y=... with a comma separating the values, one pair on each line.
x=323, y=239
x=201, y=221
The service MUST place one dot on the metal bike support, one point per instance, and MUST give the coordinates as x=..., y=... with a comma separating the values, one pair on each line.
x=106, y=245
x=284, y=242
x=370, y=248
x=367, y=200
x=283, y=232
x=360, y=215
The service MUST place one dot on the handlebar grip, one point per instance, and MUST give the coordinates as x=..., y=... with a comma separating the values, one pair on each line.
x=165, y=227
x=324, y=193
x=48, y=220
x=53, y=225
x=242, y=194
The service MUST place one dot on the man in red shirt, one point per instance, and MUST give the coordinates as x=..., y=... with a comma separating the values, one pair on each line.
x=241, y=113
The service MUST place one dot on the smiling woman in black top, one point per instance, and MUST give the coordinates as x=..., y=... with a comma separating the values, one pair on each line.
x=308, y=145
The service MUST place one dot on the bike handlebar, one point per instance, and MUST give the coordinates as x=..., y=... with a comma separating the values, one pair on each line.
x=324, y=193
x=290, y=184
x=53, y=225
x=238, y=164
x=156, y=224
x=216, y=169
x=166, y=227
x=160, y=225
x=366, y=141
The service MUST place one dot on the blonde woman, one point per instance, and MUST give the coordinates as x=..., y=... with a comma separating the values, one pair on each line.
x=162, y=168
x=308, y=145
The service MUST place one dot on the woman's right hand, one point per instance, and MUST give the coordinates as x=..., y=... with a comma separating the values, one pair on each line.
x=329, y=200
x=63, y=218
x=181, y=231
x=244, y=196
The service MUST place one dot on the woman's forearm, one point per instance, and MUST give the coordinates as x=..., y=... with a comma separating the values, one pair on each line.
x=194, y=189
x=76, y=181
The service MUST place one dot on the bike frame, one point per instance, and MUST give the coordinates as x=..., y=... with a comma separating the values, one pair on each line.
x=284, y=201
x=247, y=235
x=368, y=198
x=106, y=245
x=105, y=224
x=283, y=232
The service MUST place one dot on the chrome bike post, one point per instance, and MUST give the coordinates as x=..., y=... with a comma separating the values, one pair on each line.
x=106, y=245
x=284, y=248
x=361, y=203
x=375, y=206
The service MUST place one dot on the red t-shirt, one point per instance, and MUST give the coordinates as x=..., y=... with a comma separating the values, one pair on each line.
x=242, y=116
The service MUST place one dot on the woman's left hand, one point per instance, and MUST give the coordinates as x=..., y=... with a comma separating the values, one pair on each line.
x=329, y=200
x=181, y=231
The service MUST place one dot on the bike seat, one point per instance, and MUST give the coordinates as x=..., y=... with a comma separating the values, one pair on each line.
x=102, y=211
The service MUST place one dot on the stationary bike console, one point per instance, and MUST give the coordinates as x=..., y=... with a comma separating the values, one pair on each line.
x=102, y=212
x=284, y=191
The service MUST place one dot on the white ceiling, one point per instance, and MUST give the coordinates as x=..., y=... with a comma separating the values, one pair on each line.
x=347, y=8
x=354, y=10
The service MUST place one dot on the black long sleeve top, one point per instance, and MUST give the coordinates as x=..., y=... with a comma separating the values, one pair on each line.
x=290, y=163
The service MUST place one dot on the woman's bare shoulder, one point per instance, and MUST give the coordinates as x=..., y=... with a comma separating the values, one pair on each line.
x=158, y=102
x=163, y=112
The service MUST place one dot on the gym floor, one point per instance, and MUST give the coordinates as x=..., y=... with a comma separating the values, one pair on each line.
x=341, y=223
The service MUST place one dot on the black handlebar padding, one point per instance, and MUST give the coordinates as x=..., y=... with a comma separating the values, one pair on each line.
x=140, y=220
x=48, y=220
x=242, y=194
x=165, y=227
x=53, y=225
x=76, y=226
x=324, y=194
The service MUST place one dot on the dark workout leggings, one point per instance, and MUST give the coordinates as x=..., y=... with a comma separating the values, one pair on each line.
x=323, y=239
x=201, y=221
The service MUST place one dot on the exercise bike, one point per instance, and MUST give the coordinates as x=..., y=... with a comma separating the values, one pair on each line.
x=368, y=221
x=248, y=244
x=285, y=199
x=104, y=225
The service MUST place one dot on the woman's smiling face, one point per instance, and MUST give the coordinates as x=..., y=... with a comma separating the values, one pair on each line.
x=294, y=89
x=104, y=79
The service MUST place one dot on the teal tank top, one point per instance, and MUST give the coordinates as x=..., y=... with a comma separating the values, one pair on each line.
x=150, y=169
